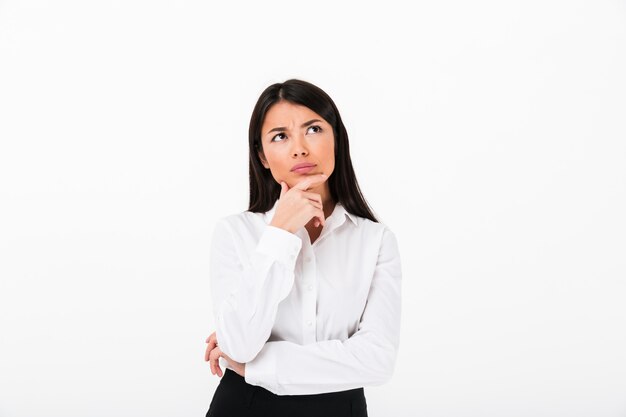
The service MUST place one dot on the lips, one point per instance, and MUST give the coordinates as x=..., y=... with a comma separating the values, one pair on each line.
x=303, y=170
x=302, y=165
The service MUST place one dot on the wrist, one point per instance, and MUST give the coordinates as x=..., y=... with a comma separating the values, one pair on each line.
x=281, y=226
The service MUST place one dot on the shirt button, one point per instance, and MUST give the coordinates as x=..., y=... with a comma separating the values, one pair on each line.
x=310, y=288
x=309, y=322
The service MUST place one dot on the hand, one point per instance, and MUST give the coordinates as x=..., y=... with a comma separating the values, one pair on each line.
x=296, y=206
x=213, y=353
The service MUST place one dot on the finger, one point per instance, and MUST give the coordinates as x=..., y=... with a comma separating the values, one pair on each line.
x=284, y=187
x=312, y=196
x=219, y=369
x=208, y=351
x=208, y=339
x=306, y=183
x=318, y=209
x=319, y=213
x=215, y=354
x=212, y=344
x=316, y=204
x=316, y=215
x=215, y=369
x=321, y=207
x=314, y=199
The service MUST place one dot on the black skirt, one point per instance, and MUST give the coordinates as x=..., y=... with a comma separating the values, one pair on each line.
x=234, y=397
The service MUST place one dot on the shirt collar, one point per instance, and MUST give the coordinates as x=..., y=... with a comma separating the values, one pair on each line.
x=339, y=211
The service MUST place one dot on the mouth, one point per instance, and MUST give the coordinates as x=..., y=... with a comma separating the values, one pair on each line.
x=303, y=170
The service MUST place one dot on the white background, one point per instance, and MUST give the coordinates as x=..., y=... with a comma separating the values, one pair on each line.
x=490, y=136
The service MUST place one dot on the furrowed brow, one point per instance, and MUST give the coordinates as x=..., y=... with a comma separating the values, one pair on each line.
x=282, y=128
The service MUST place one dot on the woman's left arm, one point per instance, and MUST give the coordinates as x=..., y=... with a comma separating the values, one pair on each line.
x=367, y=358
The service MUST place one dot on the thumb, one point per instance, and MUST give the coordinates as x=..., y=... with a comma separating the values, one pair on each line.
x=283, y=189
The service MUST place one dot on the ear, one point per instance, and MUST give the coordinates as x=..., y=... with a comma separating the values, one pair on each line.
x=262, y=158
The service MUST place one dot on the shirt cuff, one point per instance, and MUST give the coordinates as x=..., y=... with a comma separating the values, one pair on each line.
x=281, y=245
x=261, y=370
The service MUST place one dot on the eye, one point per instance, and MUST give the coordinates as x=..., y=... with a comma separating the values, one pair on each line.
x=280, y=134
x=319, y=129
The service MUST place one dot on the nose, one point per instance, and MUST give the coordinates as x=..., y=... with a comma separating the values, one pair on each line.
x=298, y=146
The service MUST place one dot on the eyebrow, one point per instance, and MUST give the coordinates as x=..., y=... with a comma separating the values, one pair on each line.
x=278, y=129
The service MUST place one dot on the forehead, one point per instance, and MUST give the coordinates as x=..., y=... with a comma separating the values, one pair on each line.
x=285, y=113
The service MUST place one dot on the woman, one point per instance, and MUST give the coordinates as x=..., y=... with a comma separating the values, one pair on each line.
x=306, y=284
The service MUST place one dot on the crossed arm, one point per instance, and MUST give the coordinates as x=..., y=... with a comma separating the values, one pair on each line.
x=246, y=298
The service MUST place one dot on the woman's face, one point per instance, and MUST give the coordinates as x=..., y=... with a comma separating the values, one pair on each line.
x=292, y=134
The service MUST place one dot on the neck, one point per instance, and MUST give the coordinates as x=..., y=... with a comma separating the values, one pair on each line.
x=327, y=202
x=329, y=206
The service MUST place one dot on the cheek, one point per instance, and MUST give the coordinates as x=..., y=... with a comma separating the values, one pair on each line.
x=330, y=151
x=278, y=163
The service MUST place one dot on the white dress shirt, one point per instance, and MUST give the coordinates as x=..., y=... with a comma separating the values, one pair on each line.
x=307, y=318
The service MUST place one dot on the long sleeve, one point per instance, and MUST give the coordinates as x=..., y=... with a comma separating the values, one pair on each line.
x=366, y=358
x=247, y=288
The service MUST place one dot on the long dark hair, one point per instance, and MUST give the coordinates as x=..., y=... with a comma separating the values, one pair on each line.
x=344, y=188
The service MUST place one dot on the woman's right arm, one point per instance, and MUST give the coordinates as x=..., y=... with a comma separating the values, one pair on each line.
x=246, y=290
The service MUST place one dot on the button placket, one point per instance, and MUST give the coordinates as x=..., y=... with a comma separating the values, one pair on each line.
x=309, y=306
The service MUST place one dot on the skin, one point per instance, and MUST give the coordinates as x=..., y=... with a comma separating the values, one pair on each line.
x=305, y=195
x=282, y=149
